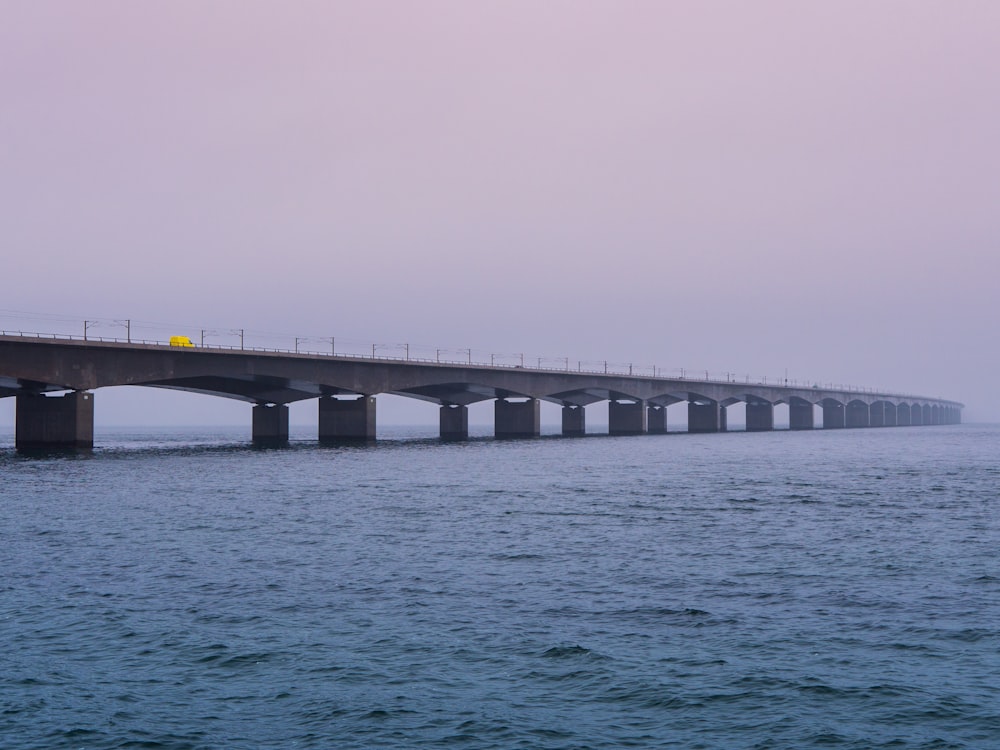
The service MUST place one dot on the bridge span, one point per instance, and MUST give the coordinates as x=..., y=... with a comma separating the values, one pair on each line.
x=33, y=370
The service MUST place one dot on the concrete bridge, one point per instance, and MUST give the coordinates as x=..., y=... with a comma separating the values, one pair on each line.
x=346, y=387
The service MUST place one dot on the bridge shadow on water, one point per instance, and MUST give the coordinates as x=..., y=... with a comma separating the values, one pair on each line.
x=201, y=441
x=191, y=442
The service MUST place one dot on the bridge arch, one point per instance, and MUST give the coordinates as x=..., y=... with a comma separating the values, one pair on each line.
x=857, y=413
x=882, y=413
x=903, y=414
x=834, y=413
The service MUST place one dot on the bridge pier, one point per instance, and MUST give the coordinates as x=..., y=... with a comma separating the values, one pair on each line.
x=857, y=414
x=626, y=417
x=927, y=415
x=516, y=418
x=760, y=416
x=270, y=424
x=705, y=416
x=54, y=421
x=656, y=419
x=346, y=419
x=889, y=414
x=800, y=414
x=574, y=420
x=454, y=422
x=833, y=414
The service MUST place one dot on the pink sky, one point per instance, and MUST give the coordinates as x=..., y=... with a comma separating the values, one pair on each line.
x=720, y=185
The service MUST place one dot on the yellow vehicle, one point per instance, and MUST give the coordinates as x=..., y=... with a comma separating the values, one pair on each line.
x=180, y=341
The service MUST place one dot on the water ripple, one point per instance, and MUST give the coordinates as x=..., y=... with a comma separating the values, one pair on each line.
x=834, y=590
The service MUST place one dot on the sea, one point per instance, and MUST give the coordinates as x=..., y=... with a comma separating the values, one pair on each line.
x=179, y=588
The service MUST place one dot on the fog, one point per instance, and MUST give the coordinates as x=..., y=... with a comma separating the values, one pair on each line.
x=760, y=188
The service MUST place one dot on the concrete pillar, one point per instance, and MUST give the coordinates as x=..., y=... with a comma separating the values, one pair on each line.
x=723, y=418
x=936, y=414
x=928, y=415
x=800, y=414
x=270, y=424
x=454, y=422
x=517, y=418
x=656, y=419
x=574, y=420
x=916, y=414
x=833, y=414
x=626, y=418
x=876, y=414
x=857, y=414
x=54, y=421
x=903, y=415
x=346, y=419
x=890, y=414
x=703, y=417
x=760, y=416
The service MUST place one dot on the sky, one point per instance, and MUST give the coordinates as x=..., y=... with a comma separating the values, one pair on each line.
x=760, y=188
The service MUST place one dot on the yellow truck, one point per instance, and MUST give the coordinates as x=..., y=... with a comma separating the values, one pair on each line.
x=180, y=341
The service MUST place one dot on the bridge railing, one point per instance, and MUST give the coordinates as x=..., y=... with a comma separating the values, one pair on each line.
x=472, y=358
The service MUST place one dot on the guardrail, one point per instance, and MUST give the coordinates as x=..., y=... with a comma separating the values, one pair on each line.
x=475, y=358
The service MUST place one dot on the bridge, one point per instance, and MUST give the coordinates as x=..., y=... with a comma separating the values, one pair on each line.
x=34, y=369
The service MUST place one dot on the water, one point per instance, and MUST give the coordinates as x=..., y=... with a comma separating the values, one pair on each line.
x=832, y=589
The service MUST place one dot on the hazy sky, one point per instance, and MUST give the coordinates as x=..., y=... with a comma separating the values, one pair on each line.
x=728, y=186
